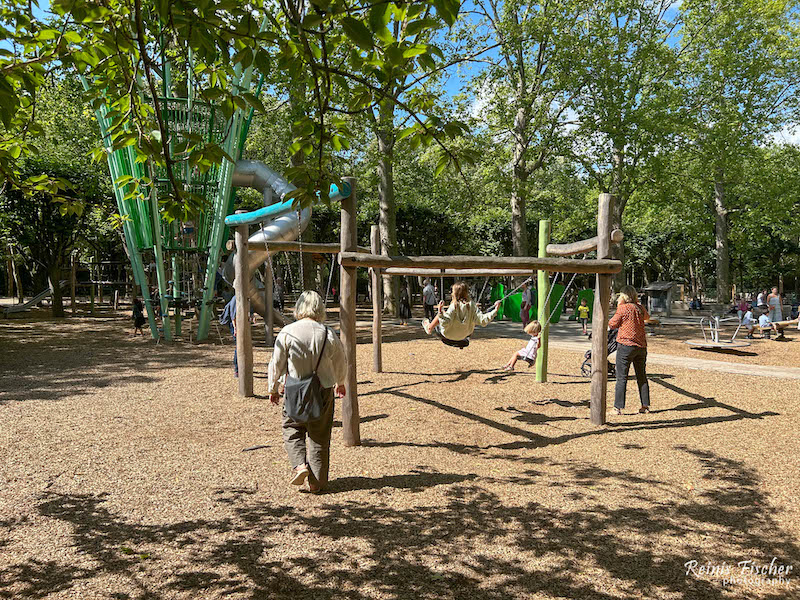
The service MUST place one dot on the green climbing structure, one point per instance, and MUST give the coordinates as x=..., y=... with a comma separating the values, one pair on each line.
x=177, y=258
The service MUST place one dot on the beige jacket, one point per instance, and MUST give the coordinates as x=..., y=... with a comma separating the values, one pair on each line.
x=296, y=351
x=460, y=318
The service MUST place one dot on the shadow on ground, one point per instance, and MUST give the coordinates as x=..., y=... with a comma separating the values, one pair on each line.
x=444, y=550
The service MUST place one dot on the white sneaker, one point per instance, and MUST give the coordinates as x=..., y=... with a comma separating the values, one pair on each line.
x=426, y=325
x=299, y=475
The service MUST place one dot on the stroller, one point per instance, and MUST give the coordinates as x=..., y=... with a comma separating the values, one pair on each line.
x=586, y=365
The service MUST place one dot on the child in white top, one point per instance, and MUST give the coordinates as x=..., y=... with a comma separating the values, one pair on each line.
x=458, y=321
x=528, y=353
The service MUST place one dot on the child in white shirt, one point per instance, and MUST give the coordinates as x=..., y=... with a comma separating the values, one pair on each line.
x=528, y=353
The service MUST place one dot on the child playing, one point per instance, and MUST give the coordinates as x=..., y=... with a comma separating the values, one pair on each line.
x=405, y=305
x=583, y=314
x=766, y=324
x=528, y=353
x=748, y=321
x=459, y=320
x=138, y=316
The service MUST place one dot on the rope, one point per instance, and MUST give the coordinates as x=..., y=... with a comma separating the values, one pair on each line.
x=483, y=289
x=300, y=240
x=330, y=278
x=511, y=293
x=550, y=316
x=550, y=291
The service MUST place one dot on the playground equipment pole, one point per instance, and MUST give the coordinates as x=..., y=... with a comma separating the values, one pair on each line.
x=377, y=302
x=176, y=293
x=268, y=300
x=602, y=299
x=72, y=281
x=543, y=289
x=244, y=343
x=347, y=319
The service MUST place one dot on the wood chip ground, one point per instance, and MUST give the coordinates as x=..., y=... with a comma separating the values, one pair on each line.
x=124, y=474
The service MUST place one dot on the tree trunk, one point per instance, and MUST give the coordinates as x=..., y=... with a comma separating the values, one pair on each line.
x=17, y=276
x=721, y=239
x=619, y=191
x=54, y=279
x=387, y=219
x=519, y=229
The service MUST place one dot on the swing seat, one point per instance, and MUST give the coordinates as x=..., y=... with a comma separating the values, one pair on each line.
x=460, y=344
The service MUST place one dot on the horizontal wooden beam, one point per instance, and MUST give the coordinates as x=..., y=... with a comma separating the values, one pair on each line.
x=312, y=247
x=583, y=246
x=455, y=272
x=518, y=263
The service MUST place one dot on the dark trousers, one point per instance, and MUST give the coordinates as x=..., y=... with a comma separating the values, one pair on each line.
x=310, y=443
x=235, y=361
x=430, y=311
x=625, y=356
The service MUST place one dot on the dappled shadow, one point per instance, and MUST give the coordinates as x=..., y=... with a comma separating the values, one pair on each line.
x=469, y=544
x=52, y=360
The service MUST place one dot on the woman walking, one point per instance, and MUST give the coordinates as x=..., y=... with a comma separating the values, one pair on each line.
x=302, y=348
x=632, y=347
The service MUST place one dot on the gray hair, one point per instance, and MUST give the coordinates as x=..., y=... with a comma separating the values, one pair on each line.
x=627, y=295
x=310, y=305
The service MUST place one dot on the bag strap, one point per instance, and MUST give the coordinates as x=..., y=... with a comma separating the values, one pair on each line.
x=321, y=352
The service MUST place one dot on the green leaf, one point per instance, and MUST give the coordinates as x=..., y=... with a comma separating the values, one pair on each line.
x=358, y=32
x=73, y=37
x=415, y=27
x=312, y=21
x=415, y=50
x=379, y=16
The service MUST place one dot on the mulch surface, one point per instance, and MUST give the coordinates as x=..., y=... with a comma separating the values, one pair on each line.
x=670, y=339
x=135, y=471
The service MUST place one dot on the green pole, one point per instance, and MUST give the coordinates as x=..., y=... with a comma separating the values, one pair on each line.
x=543, y=289
x=176, y=292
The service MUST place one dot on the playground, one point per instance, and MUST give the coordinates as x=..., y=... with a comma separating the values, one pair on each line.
x=494, y=210
x=158, y=480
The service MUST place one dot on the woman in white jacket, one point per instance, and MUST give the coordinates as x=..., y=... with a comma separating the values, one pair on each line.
x=458, y=322
x=297, y=352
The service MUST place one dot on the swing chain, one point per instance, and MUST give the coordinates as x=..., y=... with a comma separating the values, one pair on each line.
x=300, y=241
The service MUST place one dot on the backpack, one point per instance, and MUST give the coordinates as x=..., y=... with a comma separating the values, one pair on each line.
x=303, y=396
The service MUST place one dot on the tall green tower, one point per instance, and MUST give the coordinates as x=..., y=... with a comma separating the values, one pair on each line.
x=178, y=258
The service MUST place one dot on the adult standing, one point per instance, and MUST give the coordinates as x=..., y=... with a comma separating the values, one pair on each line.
x=302, y=348
x=429, y=299
x=741, y=307
x=762, y=298
x=229, y=318
x=631, y=347
x=525, y=307
x=774, y=302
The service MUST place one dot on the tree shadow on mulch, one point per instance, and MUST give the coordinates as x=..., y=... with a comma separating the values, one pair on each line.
x=532, y=440
x=54, y=360
x=467, y=544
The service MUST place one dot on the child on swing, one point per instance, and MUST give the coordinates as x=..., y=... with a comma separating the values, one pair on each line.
x=528, y=353
x=459, y=320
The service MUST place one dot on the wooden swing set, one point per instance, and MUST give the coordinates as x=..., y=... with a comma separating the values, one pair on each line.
x=552, y=258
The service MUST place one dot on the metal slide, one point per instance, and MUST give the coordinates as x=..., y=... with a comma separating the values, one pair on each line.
x=278, y=220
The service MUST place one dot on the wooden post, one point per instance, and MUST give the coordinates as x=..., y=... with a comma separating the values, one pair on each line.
x=268, y=300
x=116, y=298
x=351, y=422
x=602, y=299
x=72, y=283
x=377, y=303
x=543, y=289
x=244, y=342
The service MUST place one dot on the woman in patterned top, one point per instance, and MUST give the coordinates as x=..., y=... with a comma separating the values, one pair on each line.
x=632, y=347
